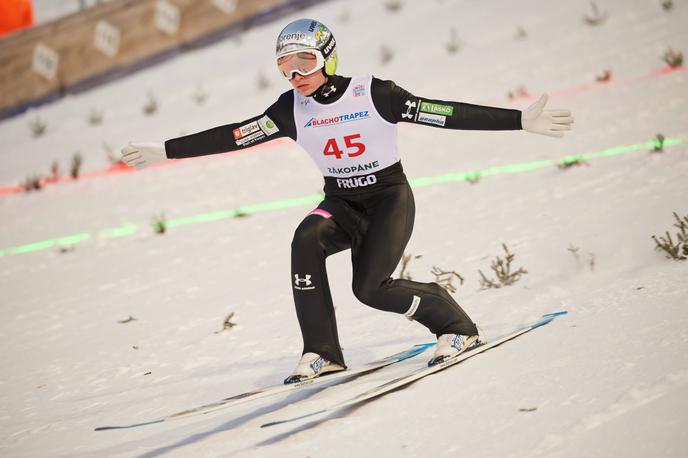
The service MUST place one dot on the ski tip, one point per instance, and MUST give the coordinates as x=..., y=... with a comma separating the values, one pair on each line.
x=108, y=428
x=547, y=318
x=279, y=422
x=135, y=425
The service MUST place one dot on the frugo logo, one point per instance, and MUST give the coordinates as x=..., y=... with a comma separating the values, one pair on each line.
x=356, y=182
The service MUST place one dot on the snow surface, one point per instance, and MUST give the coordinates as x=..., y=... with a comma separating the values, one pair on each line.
x=609, y=379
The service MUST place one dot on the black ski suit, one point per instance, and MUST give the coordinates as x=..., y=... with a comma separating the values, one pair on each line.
x=371, y=216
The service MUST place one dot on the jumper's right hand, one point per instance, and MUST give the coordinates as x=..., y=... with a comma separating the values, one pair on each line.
x=143, y=154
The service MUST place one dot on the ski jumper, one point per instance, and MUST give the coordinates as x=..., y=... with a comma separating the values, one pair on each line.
x=349, y=129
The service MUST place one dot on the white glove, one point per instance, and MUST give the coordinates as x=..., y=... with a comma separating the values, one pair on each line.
x=143, y=154
x=546, y=122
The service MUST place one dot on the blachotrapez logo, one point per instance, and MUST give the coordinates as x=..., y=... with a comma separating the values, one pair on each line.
x=340, y=119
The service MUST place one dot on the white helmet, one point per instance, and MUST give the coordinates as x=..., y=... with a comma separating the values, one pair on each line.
x=308, y=34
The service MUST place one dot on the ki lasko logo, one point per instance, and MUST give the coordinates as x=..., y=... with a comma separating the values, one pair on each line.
x=333, y=120
x=437, y=108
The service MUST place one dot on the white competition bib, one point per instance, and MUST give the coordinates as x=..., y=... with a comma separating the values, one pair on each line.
x=347, y=137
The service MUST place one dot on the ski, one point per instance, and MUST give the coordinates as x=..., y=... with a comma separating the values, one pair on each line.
x=259, y=393
x=422, y=372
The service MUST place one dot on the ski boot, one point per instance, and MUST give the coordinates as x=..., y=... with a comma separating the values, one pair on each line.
x=450, y=345
x=312, y=365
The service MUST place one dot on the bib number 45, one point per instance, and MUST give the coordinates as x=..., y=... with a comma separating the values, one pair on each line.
x=353, y=148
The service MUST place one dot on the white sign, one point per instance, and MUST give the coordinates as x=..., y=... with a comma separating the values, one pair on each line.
x=226, y=6
x=45, y=61
x=106, y=38
x=167, y=17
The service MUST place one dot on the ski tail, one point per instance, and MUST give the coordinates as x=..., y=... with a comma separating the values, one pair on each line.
x=259, y=393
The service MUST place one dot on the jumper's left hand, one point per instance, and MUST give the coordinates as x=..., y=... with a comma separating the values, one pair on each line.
x=537, y=120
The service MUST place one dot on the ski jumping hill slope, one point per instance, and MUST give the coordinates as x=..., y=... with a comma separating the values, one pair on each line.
x=102, y=321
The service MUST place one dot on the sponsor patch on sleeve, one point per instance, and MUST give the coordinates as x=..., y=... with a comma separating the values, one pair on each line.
x=245, y=130
x=250, y=139
x=437, y=109
x=268, y=125
x=427, y=118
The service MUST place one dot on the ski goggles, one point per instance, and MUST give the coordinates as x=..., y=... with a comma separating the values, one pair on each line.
x=302, y=62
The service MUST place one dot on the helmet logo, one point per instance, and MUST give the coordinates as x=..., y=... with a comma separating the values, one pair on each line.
x=293, y=36
x=319, y=34
x=329, y=47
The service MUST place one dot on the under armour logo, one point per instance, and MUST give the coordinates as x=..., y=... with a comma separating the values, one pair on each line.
x=411, y=106
x=326, y=91
x=306, y=282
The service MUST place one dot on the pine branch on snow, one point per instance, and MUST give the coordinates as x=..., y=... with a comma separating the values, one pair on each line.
x=445, y=278
x=453, y=46
x=95, y=117
x=521, y=33
x=605, y=77
x=502, y=269
x=597, y=18
x=393, y=6
x=200, y=95
x=675, y=250
x=386, y=55
x=159, y=224
x=262, y=81
x=659, y=144
x=473, y=177
x=75, y=167
x=521, y=92
x=32, y=183
x=151, y=106
x=405, y=259
x=54, y=172
x=572, y=161
x=673, y=59
x=227, y=323
x=37, y=126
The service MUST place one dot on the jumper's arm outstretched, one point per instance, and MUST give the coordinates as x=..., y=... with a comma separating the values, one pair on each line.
x=277, y=121
x=396, y=104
